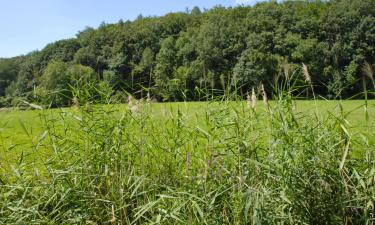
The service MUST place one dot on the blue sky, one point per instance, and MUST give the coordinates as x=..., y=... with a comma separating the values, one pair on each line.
x=28, y=25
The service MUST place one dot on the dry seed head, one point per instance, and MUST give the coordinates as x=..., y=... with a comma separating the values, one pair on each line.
x=326, y=186
x=76, y=102
x=113, y=220
x=130, y=100
x=134, y=109
x=248, y=99
x=368, y=71
x=264, y=93
x=253, y=98
x=133, y=103
x=286, y=68
x=306, y=73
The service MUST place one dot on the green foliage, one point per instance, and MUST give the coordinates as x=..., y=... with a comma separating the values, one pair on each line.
x=253, y=68
x=214, y=47
x=165, y=63
x=188, y=163
x=57, y=81
x=8, y=72
x=86, y=57
x=195, y=11
x=54, y=83
x=63, y=50
x=77, y=72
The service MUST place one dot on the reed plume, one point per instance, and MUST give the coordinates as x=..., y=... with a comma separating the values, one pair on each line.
x=253, y=98
x=113, y=219
x=286, y=67
x=264, y=93
x=248, y=99
x=306, y=73
x=130, y=101
x=309, y=81
x=76, y=102
x=308, y=78
x=369, y=72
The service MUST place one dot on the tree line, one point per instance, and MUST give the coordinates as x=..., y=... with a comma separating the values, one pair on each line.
x=176, y=56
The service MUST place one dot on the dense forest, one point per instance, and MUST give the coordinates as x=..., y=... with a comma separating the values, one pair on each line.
x=181, y=55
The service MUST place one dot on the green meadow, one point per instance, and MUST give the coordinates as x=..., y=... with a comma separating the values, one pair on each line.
x=18, y=127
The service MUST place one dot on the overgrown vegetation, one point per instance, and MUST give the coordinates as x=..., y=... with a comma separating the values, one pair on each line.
x=230, y=164
x=221, y=50
x=223, y=162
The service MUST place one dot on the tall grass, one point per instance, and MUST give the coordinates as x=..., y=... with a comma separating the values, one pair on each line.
x=229, y=165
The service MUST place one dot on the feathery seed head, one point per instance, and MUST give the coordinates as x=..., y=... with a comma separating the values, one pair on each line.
x=264, y=93
x=248, y=99
x=368, y=71
x=306, y=73
x=253, y=98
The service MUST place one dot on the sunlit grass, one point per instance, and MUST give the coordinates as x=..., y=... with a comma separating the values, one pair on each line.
x=189, y=163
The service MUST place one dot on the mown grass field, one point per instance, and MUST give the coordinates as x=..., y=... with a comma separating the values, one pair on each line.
x=307, y=162
x=19, y=127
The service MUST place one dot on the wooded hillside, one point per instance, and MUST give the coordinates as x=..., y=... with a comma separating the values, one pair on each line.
x=176, y=56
